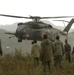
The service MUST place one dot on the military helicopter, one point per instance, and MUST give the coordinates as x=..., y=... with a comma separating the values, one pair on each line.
x=34, y=30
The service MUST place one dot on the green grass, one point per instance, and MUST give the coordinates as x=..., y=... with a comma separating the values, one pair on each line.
x=24, y=65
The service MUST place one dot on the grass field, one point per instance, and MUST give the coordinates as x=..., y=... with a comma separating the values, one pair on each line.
x=24, y=65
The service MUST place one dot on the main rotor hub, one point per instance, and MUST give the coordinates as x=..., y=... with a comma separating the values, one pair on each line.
x=35, y=18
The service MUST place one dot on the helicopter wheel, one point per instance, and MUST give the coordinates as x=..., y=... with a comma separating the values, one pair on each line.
x=19, y=40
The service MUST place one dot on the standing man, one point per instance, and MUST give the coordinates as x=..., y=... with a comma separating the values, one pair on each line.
x=46, y=52
x=73, y=53
x=67, y=48
x=58, y=52
x=73, y=50
x=0, y=48
x=35, y=52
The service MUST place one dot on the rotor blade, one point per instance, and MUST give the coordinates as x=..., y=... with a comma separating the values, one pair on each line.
x=36, y=17
x=14, y=16
x=57, y=17
x=61, y=20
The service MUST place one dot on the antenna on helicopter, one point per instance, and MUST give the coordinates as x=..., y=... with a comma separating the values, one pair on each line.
x=62, y=21
x=64, y=25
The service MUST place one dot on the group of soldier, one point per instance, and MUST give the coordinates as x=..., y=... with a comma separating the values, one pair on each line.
x=48, y=50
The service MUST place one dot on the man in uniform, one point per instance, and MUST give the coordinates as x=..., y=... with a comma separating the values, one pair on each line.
x=58, y=52
x=73, y=50
x=35, y=52
x=46, y=52
x=0, y=48
x=67, y=48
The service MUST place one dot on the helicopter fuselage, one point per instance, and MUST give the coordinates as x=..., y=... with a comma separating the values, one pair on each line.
x=33, y=31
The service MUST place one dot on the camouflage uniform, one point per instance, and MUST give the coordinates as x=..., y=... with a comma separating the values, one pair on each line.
x=35, y=52
x=46, y=53
x=0, y=48
x=67, y=48
x=73, y=51
x=58, y=52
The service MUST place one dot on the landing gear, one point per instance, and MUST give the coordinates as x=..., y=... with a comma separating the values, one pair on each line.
x=19, y=40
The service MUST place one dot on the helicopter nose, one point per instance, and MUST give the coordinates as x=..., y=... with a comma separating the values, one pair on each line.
x=26, y=37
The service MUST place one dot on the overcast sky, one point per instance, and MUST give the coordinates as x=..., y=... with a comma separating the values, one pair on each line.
x=35, y=8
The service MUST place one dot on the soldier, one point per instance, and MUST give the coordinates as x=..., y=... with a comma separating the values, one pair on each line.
x=73, y=50
x=35, y=52
x=0, y=48
x=46, y=52
x=73, y=54
x=67, y=48
x=58, y=52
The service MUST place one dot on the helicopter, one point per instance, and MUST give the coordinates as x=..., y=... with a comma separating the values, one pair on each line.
x=34, y=30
